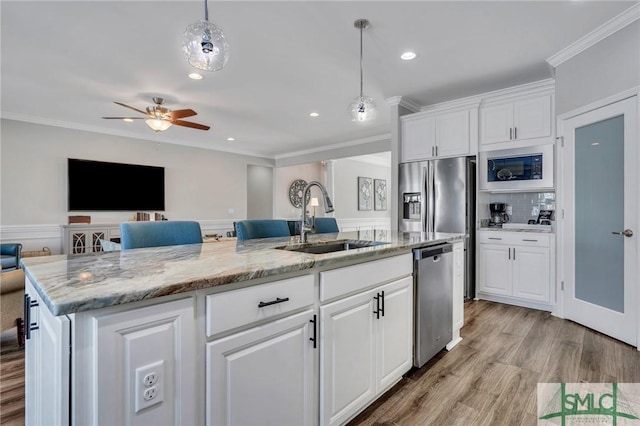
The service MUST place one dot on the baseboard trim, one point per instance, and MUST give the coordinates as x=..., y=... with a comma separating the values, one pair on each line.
x=515, y=301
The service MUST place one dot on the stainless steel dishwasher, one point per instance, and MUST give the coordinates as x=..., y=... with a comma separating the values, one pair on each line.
x=433, y=278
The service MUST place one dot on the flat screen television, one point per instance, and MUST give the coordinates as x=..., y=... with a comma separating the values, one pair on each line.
x=103, y=186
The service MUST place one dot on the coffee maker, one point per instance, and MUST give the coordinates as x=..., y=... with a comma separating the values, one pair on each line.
x=498, y=215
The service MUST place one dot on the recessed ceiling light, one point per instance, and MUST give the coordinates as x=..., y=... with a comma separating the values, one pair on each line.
x=231, y=139
x=128, y=120
x=407, y=56
x=595, y=143
x=314, y=114
x=195, y=76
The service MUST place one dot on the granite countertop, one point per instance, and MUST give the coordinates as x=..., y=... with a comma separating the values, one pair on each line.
x=76, y=283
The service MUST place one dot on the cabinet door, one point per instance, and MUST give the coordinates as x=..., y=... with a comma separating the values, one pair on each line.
x=47, y=366
x=347, y=358
x=452, y=134
x=496, y=123
x=394, y=334
x=532, y=118
x=264, y=375
x=531, y=273
x=495, y=269
x=418, y=138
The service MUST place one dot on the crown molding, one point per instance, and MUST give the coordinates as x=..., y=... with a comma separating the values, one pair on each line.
x=462, y=103
x=363, y=141
x=537, y=87
x=603, y=31
x=404, y=102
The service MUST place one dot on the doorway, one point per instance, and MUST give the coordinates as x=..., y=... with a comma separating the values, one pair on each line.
x=259, y=192
x=598, y=165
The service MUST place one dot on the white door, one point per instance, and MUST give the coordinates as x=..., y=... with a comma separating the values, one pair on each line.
x=495, y=269
x=264, y=375
x=531, y=272
x=347, y=360
x=532, y=118
x=395, y=333
x=600, y=185
x=496, y=123
x=452, y=134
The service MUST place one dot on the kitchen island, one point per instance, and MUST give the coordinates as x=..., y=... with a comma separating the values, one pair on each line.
x=227, y=332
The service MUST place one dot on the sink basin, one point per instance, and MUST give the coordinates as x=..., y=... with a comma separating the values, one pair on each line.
x=330, y=247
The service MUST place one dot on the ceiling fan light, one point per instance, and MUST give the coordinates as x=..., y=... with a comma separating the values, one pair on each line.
x=362, y=108
x=158, y=124
x=205, y=46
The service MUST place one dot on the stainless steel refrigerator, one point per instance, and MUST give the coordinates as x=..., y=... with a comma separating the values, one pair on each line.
x=439, y=196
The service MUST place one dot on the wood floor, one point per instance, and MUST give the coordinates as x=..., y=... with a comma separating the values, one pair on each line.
x=490, y=378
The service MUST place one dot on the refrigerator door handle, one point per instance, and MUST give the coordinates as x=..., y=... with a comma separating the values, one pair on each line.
x=430, y=197
x=423, y=195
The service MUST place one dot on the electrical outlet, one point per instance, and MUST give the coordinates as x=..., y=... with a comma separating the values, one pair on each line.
x=149, y=385
x=509, y=210
x=535, y=211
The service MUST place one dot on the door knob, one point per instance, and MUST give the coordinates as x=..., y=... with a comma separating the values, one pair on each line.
x=627, y=233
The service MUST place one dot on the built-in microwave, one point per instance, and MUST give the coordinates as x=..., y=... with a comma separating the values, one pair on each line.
x=517, y=169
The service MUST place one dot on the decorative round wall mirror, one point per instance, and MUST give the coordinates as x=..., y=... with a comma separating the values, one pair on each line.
x=295, y=192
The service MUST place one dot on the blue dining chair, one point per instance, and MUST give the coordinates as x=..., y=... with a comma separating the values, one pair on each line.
x=10, y=255
x=261, y=228
x=157, y=234
x=326, y=225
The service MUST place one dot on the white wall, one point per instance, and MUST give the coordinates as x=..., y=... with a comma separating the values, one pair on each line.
x=200, y=184
x=284, y=176
x=259, y=192
x=346, y=173
x=609, y=67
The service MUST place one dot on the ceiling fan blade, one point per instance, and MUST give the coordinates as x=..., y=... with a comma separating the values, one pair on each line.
x=190, y=124
x=130, y=107
x=181, y=113
x=123, y=118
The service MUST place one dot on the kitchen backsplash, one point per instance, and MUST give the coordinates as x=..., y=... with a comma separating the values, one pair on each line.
x=525, y=205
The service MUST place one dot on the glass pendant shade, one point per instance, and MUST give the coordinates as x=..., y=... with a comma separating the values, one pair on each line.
x=158, y=124
x=205, y=46
x=362, y=108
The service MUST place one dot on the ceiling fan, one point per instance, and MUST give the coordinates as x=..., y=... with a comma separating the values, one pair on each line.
x=160, y=118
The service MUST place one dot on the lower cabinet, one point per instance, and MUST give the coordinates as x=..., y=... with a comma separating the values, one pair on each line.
x=517, y=267
x=366, y=347
x=265, y=375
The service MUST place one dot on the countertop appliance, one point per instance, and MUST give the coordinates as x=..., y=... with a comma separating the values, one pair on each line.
x=498, y=215
x=439, y=196
x=433, y=275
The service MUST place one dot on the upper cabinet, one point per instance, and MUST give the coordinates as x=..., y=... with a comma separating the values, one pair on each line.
x=518, y=122
x=433, y=134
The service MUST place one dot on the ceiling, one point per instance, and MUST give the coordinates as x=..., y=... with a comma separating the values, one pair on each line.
x=65, y=63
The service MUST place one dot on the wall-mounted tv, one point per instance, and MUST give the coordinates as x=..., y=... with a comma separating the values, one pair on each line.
x=103, y=186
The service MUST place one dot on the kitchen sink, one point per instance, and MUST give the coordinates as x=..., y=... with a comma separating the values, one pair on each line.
x=330, y=247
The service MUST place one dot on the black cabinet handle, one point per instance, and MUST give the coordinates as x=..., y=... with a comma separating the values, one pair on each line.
x=382, y=302
x=315, y=332
x=515, y=133
x=514, y=253
x=377, y=311
x=29, y=326
x=273, y=302
x=494, y=238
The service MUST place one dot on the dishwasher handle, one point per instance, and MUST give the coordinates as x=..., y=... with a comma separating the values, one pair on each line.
x=419, y=254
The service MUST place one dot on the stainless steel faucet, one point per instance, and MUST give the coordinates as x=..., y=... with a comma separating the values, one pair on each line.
x=328, y=208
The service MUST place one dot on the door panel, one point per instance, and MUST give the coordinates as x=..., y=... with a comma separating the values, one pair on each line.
x=599, y=163
x=495, y=269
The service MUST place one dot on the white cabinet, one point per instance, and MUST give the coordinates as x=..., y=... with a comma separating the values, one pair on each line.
x=427, y=135
x=366, y=347
x=264, y=375
x=85, y=238
x=515, y=121
x=516, y=267
x=47, y=363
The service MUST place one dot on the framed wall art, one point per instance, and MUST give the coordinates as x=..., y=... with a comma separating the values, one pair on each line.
x=380, y=194
x=365, y=193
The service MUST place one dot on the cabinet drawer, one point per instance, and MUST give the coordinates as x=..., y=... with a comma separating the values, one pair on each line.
x=515, y=238
x=232, y=309
x=350, y=279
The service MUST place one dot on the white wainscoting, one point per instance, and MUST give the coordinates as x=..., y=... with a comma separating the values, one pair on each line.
x=35, y=237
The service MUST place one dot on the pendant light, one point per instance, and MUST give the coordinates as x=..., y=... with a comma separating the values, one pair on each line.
x=363, y=108
x=204, y=44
